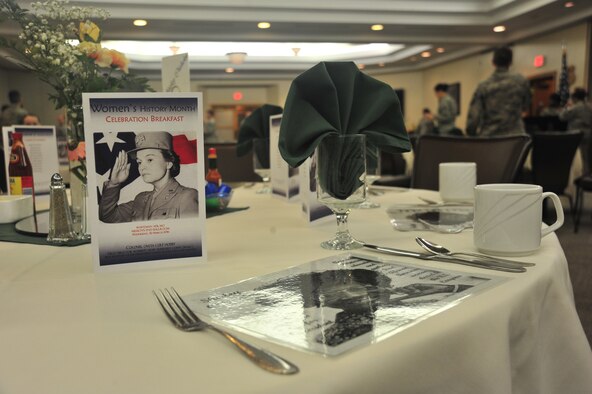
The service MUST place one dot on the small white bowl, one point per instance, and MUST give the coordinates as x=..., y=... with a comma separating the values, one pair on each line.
x=15, y=208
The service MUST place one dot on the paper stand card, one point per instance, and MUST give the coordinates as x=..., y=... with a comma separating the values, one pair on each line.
x=312, y=209
x=339, y=303
x=175, y=73
x=145, y=177
x=41, y=145
x=284, y=179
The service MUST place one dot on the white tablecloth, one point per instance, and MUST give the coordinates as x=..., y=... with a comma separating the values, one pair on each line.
x=67, y=329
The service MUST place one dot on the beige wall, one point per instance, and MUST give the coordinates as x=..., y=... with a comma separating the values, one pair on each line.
x=418, y=85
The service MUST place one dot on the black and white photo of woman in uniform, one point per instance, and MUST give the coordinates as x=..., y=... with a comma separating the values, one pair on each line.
x=158, y=165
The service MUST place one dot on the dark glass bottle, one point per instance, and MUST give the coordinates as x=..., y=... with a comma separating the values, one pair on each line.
x=20, y=172
x=213, y=176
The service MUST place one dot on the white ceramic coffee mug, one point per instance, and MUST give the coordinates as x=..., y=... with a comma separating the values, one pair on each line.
x=457, y=181
x=508, y=218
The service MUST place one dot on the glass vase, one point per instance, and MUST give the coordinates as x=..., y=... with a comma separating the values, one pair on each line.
x=77, y=166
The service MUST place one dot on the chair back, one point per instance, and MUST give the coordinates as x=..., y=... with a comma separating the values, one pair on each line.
x=499, y=159
x=552, y=156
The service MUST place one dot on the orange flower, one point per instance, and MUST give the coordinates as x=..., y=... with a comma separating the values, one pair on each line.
x=119, y=60
x=79, y=153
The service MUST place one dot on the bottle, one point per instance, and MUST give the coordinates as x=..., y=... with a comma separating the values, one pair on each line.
x=213, y=176
x=20, y=172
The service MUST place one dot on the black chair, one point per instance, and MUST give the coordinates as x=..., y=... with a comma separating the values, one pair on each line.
x=393, y=168
x=499, y=159
x=552, y=157
x=583, y=184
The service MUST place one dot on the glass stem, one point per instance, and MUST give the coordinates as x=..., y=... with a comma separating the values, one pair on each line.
x=341, y=217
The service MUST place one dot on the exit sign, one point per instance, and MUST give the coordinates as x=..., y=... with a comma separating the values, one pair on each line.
x=539, y=61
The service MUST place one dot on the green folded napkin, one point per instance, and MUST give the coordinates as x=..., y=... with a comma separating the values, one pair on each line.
x=255, y=126
x=336, y=97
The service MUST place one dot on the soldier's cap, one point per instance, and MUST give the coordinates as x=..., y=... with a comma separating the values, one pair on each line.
x=152, y=140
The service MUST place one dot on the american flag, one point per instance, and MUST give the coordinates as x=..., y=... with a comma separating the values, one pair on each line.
x=108, y=145
x=563, y=80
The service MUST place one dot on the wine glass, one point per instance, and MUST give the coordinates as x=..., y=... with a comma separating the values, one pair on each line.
x=373, y=169
x=341, y=182
x=261, y=163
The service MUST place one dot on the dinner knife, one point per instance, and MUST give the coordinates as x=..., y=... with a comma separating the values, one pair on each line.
x=448, y=259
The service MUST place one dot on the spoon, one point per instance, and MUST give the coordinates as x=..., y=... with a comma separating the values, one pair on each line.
x=441, y=250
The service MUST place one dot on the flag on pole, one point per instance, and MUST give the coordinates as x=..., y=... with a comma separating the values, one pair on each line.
x=563, y=79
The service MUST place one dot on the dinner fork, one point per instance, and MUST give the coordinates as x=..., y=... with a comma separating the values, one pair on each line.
x=182, y=317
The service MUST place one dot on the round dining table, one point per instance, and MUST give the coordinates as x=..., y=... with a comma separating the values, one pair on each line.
x=67, y=328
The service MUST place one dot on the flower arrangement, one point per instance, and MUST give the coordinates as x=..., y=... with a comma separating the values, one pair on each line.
x=62, y=45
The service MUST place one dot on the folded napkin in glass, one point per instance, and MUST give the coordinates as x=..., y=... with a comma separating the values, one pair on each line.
x=256, y=126
x=337, y=98
x=444, y=218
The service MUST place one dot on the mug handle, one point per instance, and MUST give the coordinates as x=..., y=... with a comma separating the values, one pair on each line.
x=558, y=209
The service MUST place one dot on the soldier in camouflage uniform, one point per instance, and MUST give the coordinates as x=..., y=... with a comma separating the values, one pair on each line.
x=578, y=115
x=447, y=110
x=497, y=104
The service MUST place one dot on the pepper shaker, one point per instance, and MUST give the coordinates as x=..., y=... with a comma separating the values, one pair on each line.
x=60, y=218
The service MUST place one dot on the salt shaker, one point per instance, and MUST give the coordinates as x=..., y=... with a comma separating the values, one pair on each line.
x=60, y=218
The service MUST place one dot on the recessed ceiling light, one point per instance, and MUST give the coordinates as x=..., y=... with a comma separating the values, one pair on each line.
x=361, y=66
x=376, y=27
x=569, y=4
x=426, y=54
x=140, y=22
x=229, y=70
x=499, y=29
x=440, y=50
x=264, y=25
x=381, y=64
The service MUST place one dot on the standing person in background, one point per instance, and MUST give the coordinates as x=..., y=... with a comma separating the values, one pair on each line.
x=210, y=126
x=15, y=112
x=499, y=102
x=578, y=116
x=447, y=110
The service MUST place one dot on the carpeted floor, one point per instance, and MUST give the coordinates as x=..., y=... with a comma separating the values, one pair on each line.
x=578, y=250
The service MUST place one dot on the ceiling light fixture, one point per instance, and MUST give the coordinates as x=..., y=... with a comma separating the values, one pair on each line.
x=499, y=29
x=376, y=27
x=140, y=22
x=426, y=54
x=174, y=48
x=236, y=57
x=229, y=70
x=381, y=64
x=440, y=50
x=296, y=51
x=361, y=66
x=569, y=4
x=264, y=25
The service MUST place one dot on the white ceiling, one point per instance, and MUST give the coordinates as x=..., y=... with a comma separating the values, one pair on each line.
x=462, y=27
